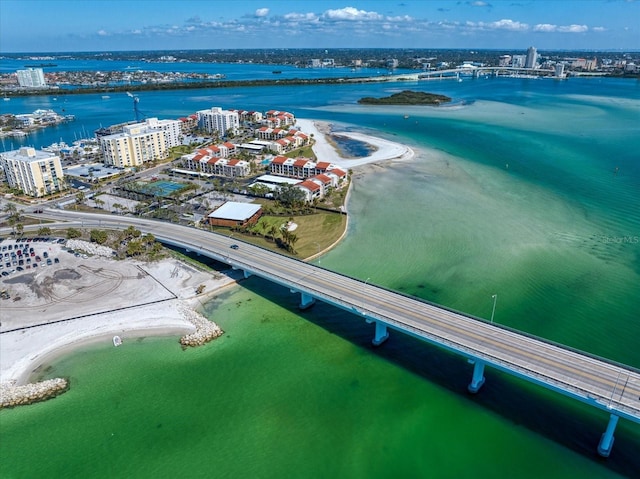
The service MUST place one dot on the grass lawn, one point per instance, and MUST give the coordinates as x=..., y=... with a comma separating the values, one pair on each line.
x=315, y=232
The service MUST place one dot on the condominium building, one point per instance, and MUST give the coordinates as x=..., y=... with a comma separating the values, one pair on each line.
x=34, y=172
x=136, y=145
x=217, y=120
x=31, y=78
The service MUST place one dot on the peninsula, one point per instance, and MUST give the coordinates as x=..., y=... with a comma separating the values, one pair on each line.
x=407, y=97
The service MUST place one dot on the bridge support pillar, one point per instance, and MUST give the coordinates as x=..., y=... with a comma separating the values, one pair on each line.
x=246, y=274
x=477, y=379
x=381, y=334
x=306, y=301
x=606, y=441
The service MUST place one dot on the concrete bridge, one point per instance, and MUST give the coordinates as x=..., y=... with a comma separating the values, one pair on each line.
x=603, y=384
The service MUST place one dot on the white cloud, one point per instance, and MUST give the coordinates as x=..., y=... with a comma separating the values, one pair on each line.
x=599, y=29
x=301, y=17
x=480, y=4
x=506, y=24
x=350, y=13
x=262, y=12
x=573, y=28
x=545, y=27
x=103, y=33
x=549, y=28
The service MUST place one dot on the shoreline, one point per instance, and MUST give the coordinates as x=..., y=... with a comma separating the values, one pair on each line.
x=25, y=352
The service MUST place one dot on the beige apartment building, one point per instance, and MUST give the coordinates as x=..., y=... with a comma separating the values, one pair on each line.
x=136, y=145
x=34, y=172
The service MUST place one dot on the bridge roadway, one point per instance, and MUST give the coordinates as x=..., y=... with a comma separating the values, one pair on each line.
x=609, y=386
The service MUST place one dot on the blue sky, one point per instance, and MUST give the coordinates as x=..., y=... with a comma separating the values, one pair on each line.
x=103, y=25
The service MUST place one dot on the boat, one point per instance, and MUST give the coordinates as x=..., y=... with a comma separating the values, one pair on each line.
x=105, y=97
x=276, y=72
x=117, y=341
x=6, y=98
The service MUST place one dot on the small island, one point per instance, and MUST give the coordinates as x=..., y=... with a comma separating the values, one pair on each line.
x=407, y=97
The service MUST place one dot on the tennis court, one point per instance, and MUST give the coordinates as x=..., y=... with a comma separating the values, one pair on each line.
x=164, y=188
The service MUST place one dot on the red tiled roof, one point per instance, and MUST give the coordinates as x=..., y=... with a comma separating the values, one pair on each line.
x=323, y=165
x=337, y=172
x=300, y=163
x=280, y=160
x=323, y=178
x=310, y=185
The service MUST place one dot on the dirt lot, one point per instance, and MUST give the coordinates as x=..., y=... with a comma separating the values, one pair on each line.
x=79, y=285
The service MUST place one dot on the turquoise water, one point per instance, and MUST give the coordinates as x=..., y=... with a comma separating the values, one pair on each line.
x=286, y=394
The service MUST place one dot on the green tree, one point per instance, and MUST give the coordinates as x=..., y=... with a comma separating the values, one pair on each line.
x=44, y=231
x=135, y=248
x=131, y=232
x=73, y=233
x=290, y=196
x=99, y=236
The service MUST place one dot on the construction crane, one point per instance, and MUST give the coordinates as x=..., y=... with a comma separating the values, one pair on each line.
x=136, y=100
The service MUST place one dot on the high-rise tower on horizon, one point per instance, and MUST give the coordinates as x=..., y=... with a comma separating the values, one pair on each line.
x=532, y=57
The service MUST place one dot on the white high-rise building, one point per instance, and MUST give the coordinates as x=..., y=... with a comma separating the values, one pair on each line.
x=172, y=130
x=31, y=78
x=34, y=172
x=218, y=120
x=532, y=58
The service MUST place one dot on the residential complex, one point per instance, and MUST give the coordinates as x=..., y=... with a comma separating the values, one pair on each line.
x=34, y=172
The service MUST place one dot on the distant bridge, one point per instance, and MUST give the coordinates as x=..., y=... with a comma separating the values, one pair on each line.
x=456, y=73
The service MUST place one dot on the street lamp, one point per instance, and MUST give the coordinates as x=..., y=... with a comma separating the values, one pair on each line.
x=493, y=311
x=318, y=254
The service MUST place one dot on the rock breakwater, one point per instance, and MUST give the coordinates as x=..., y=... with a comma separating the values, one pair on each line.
x=205, y=330
x=12, y=395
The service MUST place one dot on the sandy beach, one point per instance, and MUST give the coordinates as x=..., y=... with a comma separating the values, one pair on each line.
x=84, y=300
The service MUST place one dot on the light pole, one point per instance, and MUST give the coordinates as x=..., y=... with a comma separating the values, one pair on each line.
x=318, y=254
x=493, y=311
x=363, y=301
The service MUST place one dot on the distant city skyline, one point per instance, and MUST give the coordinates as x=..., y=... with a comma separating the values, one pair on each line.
x=112, y=25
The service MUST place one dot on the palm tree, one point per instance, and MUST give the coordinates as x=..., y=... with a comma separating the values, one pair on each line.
x=273, y=231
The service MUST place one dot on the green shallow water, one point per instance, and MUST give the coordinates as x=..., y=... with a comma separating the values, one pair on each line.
x=278, y=395
x=285, y=394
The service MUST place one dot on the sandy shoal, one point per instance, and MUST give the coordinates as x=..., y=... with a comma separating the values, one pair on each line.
x=325, y=151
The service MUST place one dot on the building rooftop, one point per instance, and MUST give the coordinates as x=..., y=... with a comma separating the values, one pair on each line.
x=278, y=180
x=235, y=211
x=28, y=155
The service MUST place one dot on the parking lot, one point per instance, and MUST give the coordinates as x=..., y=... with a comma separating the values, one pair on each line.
x=29, y=253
